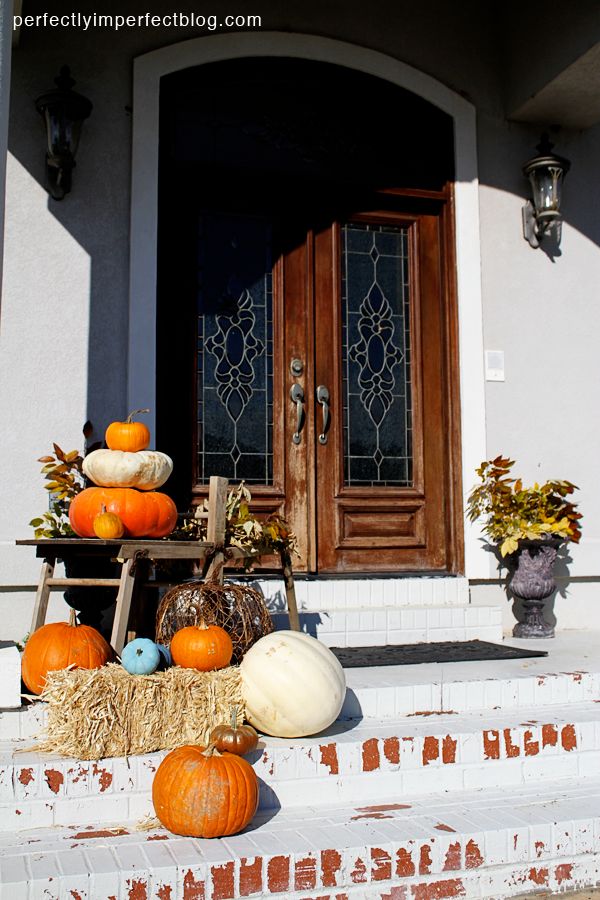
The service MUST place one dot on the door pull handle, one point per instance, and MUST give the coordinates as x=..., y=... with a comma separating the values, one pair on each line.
x=323, y=400
x=297, y=397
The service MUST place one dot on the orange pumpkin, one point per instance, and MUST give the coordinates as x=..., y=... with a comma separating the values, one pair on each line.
x=61, y=644
x=234, y=738
x=203, y=647
x=202, y=793
x=108, y=526
x=128, y=435
x=147, y=514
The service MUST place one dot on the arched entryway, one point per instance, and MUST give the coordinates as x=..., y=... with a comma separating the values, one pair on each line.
x=306, y=325
x=149, y=71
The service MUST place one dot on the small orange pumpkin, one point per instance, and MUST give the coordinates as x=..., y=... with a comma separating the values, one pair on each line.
x=128, y=435
x=234, y=738
x=61, y=644
x=147, y=514
x=203, y=647
x=202, y=793
x=108, y=526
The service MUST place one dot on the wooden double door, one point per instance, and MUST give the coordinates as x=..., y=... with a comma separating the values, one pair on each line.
x=318, y=365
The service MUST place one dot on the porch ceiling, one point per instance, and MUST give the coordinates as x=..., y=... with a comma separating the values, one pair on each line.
x=570, y=99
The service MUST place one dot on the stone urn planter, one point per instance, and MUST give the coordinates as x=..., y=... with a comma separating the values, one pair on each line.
x=531, y=580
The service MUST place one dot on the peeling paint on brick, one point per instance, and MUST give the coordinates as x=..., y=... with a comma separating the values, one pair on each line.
x=137, y=889
x=564, y=872
x=532, y=748
x=26, y=776
x=102, y=833
x=278, y=874
x=329, y=758
x=448, y=750
x=405, y=866
x=250, y=876
x=438, y=890
x=431, y=749
x=77, y=896
x=359, y=872
x=473, y=857
x=370, y=755
x=54, y=780
x=105, y=779
x=383, y=807
x=222, y=881
x=549, y=736
x=375, y=815
x=396, y=893
x=539, y=848
x=164, y=892
x=568, y=738
x=391, y=750
x=425, y=860
x=331, y=863
x=453, y=858
x=491, y=744
x=157, y=837
x=512, y=750
x=539, y=876
x=305, y=873
x=442, y=827
x=192, y=889
x=381, y=864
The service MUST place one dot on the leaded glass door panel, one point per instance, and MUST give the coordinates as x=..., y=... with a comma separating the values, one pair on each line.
x=382, y=502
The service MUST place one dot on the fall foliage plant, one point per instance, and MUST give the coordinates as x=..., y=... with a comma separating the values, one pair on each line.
x=511, y=512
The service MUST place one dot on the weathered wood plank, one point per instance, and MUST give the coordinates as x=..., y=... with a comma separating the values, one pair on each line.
x=42, y=594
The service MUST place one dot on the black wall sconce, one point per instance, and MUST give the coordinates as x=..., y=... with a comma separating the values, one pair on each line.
x=546, y=173
x=64, y=111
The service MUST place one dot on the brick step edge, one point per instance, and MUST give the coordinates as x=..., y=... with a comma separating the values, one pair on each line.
x=377, y=626
x=411, y=698
x=521, y=855
x=52, y=790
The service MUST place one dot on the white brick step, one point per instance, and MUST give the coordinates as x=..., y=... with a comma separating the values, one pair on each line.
x=364, y=761
x=482, y=844
x=378, y=625
x=569, y=674
x=361, y=593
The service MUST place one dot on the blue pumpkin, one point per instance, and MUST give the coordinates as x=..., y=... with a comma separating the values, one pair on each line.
x=165, y=657
x=141, y=657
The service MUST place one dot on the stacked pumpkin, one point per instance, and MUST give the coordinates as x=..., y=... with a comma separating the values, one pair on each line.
x=125, y=502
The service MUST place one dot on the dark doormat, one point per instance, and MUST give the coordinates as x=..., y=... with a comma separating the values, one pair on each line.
x=411, y=654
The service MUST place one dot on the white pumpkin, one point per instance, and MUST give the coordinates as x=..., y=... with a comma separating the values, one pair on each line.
x=292, y=684
x=145, y=470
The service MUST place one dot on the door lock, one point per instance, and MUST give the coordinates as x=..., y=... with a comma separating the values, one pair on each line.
x=296, y=367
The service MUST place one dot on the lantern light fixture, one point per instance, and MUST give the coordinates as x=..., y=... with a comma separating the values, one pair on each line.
x=546, y=173
x=64, y=111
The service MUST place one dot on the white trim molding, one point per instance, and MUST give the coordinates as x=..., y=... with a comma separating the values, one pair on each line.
x=147, y=72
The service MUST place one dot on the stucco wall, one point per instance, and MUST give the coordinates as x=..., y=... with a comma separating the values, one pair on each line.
x=63, y=350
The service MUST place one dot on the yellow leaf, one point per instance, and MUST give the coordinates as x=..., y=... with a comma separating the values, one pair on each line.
x=509, y=546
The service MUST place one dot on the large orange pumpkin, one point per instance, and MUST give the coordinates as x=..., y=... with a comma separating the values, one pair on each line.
x=61, y=644
x=202, y=793
x=147, y=514
x=128, y=435
x=203, y=647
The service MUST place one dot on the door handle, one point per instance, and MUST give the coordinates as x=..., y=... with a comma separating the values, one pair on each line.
x=297, y=397
x=323, y=399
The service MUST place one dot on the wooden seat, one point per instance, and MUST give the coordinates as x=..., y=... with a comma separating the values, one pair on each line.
x=134, y=557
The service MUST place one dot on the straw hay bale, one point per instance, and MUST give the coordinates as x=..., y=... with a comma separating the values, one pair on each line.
x=108, y=712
